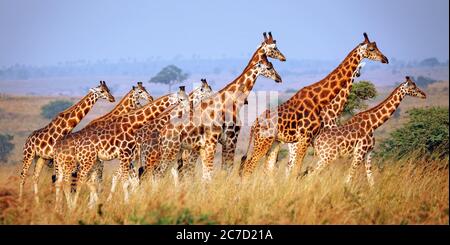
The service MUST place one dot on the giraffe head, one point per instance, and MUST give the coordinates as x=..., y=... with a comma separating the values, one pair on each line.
x=139, y=92
x=201, y=93
x=265, y=68
x=102, y=91
x=182, y=97
x=410, y=88
x=269, y=45
x=370, y=50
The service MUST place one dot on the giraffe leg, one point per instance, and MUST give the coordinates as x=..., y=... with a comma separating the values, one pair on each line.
x=187, y=166
x=207, y=155
x=369, y=169
x=260, y=148
x=58, y=186
x=125, y=160
x=86, y=167
x=116, y=176
x=358, y=157
x=292, y=157
x=229, y=147
x=93, y=194
x=169, y=156
x=272, y=157
x=37, y=171
x=67, y=178
x=26, y=163
x=302, y=146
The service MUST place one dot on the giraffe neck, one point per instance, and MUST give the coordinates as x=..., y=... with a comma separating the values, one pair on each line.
x=238, y=90
x=332, y=110
x=139, y=117
x=125, y=105
x=340, y=78
x=69, y=119
x=256, y=57
x=383, y=111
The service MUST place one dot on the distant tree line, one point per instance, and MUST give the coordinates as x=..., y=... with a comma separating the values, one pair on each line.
x=151, y=66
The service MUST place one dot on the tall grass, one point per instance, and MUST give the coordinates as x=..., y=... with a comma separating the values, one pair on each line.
x=406, y=192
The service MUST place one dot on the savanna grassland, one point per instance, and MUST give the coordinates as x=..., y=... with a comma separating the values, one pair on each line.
x=407, y=191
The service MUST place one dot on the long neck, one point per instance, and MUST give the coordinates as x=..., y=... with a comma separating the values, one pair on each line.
x=238, y=90
x=333, y=109
x=69, y=119
x=125, y=105
x=139, y=117
x=379, y=114
x=256, y=57
x=329, y=87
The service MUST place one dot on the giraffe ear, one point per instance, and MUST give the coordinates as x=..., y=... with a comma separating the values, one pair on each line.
x=92, y=90
x=270, y=36
x=134, y=87
x=366, y=38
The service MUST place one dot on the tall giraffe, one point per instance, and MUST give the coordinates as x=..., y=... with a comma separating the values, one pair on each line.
x=112, y=140
x=355, y=137
x=231, y=128
x=40, y=143
x=298, y=119
x=204, y=127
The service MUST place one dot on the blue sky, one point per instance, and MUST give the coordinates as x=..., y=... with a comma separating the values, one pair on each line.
x=49, y=31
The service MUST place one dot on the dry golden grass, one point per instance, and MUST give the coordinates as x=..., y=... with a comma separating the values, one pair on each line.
x=405, y=193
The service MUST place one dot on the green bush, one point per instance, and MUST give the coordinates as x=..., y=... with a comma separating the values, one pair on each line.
x=426, y=134
x=5, y=146
x=361, y=91
x=50, y=110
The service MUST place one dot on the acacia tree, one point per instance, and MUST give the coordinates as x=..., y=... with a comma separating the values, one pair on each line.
x=169, y=75
x=361, y=91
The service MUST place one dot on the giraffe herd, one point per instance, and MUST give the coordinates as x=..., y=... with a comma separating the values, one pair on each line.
x=173, y=131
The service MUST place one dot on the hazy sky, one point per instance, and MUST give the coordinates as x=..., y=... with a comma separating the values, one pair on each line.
x=49, y=31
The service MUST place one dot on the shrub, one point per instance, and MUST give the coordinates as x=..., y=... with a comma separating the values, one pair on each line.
x=5, y=146
x=361, y=91
x=426, y=133
x=50, y=110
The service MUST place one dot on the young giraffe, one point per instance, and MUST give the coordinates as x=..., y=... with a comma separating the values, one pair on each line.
x=328, y=115
x=298, y=119
x=355, y=137
x=40, y=143
x=204, y=127
x=127, y=104
x=148, y=132
x=231, y=128
x=112, y=140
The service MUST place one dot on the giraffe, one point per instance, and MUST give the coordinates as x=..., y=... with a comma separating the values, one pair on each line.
x=127, y=104
x=40, y=143
x=113, y=140
x=355, y=137
x=147, y=132
x=298, y=119
x=204, y=127
x=231, y=128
